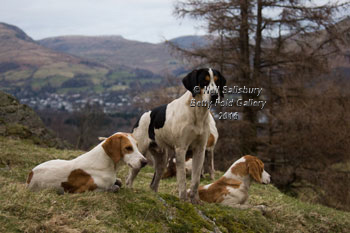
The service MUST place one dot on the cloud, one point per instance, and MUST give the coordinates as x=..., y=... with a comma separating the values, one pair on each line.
x=150, y=20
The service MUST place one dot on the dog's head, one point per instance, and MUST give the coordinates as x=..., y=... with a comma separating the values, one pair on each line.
x=252, y=166
x=209, y=81
x=122, y=146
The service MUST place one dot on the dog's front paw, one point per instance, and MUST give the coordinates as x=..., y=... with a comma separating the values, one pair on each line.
x=118, y=182
x=261, y=207
x=114, y=188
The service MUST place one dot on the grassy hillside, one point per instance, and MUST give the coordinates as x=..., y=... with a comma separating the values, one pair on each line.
x=26, y=66
x=140, y=210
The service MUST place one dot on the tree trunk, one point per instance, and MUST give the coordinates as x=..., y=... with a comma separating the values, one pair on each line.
x=248, y=133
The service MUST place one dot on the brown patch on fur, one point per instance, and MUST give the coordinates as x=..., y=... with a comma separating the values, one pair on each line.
x=252, y=166
x=170, y=170
x=211, y=140
x=216, y=78
x=240, y=169
x=79, y=181
x=255, y=167
x=30, y=176
x=207, y=78
x=116, y=146
x=217, y=190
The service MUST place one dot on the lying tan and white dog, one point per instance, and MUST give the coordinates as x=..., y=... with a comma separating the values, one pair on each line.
x=232, y=188
x=94, y=170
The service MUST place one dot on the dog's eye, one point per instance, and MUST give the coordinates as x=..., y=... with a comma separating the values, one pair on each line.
x=128, y=148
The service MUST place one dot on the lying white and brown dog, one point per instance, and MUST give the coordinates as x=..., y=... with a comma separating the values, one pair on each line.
x=94, y=170
x=232, y=188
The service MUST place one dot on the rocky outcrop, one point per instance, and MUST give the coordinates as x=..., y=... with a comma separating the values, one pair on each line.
x=20, y=121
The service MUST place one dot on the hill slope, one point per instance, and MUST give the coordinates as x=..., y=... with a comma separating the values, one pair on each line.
x=28, y=67
x=18, y=120
x=140, y=210
x=115, y=50
x=24, y=64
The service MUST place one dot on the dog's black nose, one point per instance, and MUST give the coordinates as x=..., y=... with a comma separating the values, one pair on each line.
x=143, y=163
x=117, y=182
x=214, y=97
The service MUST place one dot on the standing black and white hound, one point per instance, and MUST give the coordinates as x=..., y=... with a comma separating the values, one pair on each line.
x=180, y=127
x=208, y=165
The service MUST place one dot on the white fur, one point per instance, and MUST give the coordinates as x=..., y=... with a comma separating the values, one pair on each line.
x=213, y=130
x=135, y=158
x=95, y=162
x=210, y=150
x=265, y=177
x=188, y=167
x=237, y=197
x=188, y=127
x=240, y=195
x=229, y=174
x=211, y=88
x=206, y=186
x=185, y=128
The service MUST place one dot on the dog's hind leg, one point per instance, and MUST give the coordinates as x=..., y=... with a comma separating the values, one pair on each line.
x=160, y=160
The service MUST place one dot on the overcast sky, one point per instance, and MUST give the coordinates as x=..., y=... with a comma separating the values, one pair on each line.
x=143, y=20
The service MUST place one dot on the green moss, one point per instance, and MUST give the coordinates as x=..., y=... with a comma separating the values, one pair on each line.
x=19, y=130
x=185, y=218
x=236, y=220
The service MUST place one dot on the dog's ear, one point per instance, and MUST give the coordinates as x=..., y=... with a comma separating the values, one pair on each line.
x=190, y=81
x=112, y=147
x=255, y=168
x=222, y=83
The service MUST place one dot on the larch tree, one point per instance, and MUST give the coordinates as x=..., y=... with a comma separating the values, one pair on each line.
x=262, y=43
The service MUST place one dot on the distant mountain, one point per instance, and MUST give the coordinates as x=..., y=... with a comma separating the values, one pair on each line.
x=342, y=62
x=28, y=67
x=21, y=50
x=115, y=50
x=189, y=42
